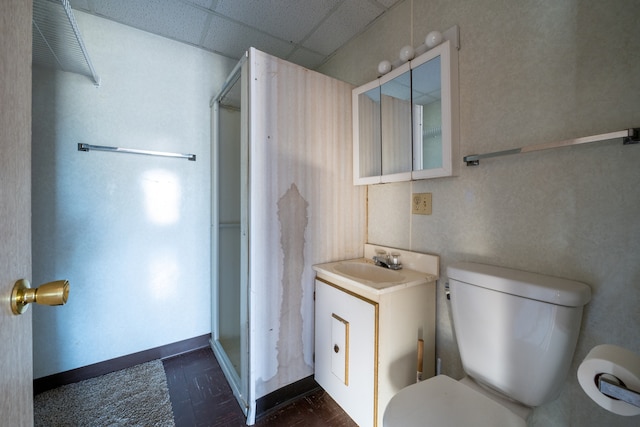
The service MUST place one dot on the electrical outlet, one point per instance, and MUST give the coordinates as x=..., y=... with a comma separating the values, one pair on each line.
x=421, y=203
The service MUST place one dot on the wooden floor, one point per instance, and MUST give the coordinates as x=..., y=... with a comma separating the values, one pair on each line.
x=201, y=396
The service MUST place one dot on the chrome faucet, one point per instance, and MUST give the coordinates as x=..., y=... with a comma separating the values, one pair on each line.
x=382, y=259
x=385, y=260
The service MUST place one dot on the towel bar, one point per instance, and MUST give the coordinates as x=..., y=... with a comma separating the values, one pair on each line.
x=629, y=136
x=87, y=147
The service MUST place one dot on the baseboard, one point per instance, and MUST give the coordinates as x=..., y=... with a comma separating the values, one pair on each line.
x=284, y=395
x=112, y=365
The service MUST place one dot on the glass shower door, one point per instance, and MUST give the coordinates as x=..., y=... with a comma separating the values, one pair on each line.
x=228, y=312
x=229, y=237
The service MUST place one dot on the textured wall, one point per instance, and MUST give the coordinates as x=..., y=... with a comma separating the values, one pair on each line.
x=303, y=209
x=530, y=72
x=130, y=233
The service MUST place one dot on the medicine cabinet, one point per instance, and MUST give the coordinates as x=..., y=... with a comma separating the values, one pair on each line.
x=405, y=123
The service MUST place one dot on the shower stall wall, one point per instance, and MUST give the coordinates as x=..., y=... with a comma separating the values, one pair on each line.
x=283, y=200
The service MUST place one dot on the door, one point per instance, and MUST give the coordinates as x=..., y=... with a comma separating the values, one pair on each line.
x=229, y=234
x=16, y=374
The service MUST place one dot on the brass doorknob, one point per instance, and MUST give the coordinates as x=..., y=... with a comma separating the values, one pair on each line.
x=52, y=293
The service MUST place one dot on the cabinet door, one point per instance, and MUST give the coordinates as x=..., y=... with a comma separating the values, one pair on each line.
x=346, y=351
x=434, y=87
x=414, y=134
x=395, y=124
x=367, y=143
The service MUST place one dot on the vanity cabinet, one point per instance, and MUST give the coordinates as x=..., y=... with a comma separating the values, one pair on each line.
x=366, y=342
x=405, y=123
x=345, y=350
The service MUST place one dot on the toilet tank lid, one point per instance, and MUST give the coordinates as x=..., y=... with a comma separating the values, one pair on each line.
x=534, y=286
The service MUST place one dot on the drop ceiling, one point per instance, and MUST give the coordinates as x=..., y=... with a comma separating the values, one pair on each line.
x=305, y=32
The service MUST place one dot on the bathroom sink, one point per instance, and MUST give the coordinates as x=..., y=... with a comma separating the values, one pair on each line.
x=369, y=272
x=363, y=277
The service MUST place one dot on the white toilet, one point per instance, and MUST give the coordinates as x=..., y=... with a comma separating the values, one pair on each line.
x=516, y=332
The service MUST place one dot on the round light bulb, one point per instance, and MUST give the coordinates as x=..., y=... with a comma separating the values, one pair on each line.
x=407, y=53
x=433, y=39
x=384, y=67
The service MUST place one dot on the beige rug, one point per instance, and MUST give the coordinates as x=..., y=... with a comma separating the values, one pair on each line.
x=136, y=396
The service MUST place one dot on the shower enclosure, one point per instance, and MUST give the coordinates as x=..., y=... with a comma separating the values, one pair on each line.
x=282, y=200
x=228, y=234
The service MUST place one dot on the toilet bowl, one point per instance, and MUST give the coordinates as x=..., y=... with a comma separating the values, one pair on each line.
x=516, y=332
x=444, y=402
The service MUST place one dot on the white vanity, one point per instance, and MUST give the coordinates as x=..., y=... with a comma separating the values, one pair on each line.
x=368, y=321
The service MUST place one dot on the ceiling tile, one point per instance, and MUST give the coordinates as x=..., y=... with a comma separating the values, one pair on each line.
x=169, y=18
x=306, y=58
x=232, y=40
x=343, y=24
x=302, y=31
x=290, y=20
x=203, y=3
x=387, y=3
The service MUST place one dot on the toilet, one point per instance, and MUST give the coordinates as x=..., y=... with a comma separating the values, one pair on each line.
x=516, y=332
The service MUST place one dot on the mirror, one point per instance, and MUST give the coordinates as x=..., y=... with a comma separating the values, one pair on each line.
x=369, y=153
x=427, y=115
x=395, y=104
x=434, y=80
x=406, y=122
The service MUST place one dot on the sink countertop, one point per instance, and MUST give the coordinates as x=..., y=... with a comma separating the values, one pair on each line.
x=407, y=278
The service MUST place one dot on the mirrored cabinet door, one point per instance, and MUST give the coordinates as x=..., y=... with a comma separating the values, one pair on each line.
x=367, y=145
x=395, y=104
x=434, y=77
x=406, y=122
x=427, y=115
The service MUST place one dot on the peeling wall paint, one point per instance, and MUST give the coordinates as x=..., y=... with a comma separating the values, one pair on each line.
x=293, y=218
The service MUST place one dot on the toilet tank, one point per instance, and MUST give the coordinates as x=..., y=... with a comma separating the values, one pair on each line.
x=516, y=330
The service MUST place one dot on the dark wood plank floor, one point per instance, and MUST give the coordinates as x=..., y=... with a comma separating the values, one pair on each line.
x=201, y=396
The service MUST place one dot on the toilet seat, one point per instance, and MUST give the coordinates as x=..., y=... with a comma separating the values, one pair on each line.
x=444, y=402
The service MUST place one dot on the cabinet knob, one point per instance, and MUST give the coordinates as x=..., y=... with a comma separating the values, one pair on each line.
x=336, y=348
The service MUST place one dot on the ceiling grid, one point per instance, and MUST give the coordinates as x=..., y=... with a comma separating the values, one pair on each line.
x=306, y=32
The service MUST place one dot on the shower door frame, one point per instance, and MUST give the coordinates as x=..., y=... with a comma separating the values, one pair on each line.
x=240, y=384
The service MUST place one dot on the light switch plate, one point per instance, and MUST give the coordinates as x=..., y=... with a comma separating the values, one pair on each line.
x=421, y=203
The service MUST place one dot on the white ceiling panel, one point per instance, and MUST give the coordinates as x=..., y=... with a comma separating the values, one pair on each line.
x=173, y=19
x=232, y=39
x=290, y=20
x=205, y=3
x=306, y=58
x=387, y=3
x=341, y=26
x=305, y=32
